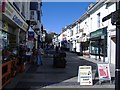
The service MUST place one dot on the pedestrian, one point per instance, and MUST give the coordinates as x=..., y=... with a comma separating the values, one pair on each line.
x=40, y=56
x=28, y=55
x=34, y=56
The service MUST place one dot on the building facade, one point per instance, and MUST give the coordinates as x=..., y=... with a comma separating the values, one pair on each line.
x=91, y=37
x=14, y=26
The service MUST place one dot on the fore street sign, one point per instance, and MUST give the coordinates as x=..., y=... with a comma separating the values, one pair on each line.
x=85, y=75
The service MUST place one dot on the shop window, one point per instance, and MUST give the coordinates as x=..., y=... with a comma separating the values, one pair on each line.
x=97, y=47
x=5, y=41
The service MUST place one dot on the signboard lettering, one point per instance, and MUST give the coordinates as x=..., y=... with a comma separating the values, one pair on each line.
x=85, y=75
x=17, y=20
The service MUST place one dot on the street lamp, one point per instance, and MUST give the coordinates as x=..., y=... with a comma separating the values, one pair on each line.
x=117, y=70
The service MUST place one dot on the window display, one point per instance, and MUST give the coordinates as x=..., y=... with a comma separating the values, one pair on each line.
x=5, y=41
x=97, y=47
x=8, y=45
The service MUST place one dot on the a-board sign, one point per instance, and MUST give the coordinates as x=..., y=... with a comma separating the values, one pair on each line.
x=85, y=75
x=104, y=71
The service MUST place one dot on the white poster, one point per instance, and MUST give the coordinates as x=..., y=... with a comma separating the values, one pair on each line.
x=85, y=75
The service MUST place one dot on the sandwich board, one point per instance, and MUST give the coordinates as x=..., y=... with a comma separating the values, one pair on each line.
x=104, y=72
x=85, y=75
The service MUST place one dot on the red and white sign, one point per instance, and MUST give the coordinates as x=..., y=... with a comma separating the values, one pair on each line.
x=104, y=71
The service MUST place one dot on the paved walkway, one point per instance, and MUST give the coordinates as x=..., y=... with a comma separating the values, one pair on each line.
x=47, y=77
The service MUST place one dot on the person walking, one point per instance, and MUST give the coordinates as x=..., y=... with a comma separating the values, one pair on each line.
x=28, y=55
x=40, y=56
x=34, y=56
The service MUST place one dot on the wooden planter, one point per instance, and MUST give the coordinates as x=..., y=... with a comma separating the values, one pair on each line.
x=6, y=73
x=59, y=62
x=14, y=67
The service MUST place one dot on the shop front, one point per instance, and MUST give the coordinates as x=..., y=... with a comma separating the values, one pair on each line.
x=98, y=43
x=13, y=28
x=15, y=21
x=83, y=46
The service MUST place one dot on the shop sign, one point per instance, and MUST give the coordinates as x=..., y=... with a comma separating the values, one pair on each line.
x=104, y=71
x=98, y=32
x=13, y=15
x=85, y=75
x=30, y=35
x=17, y=20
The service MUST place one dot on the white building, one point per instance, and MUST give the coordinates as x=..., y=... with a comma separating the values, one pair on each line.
x=92, y=37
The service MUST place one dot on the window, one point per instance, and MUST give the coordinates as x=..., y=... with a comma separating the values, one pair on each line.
x=23, y=9
x=71, y=33
x=91, y=23
x=97, y=47
x=98, y=19
x=76, y=29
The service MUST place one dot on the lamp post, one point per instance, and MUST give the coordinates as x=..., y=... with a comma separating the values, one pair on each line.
x=117, y=70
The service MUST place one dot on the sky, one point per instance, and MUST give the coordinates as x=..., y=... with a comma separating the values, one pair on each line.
x=57, y=15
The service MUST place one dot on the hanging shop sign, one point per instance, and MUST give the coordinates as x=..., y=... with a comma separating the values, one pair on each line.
x=104, y=71
x=85, y=75
x=12, y=14
x=31, y=35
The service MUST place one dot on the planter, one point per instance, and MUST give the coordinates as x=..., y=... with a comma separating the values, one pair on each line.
x=59, y=60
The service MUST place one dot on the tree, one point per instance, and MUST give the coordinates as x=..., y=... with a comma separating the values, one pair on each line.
x=49, y=36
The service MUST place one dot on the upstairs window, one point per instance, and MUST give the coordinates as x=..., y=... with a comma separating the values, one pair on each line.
x=98, y=20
